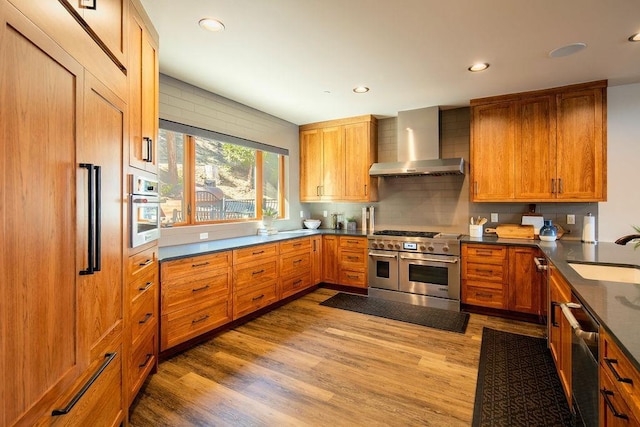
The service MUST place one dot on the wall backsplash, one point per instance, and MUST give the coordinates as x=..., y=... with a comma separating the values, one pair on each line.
x=441, y=203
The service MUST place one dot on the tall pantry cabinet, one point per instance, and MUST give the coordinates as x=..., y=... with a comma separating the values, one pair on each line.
x=65, y=130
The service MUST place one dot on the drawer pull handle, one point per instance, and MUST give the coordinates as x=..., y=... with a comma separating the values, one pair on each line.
x=297, y=244
x=147, y=262
x=482, y=294
x=146, y=318
x=146, y=360
x=257, y=298
x=108, y=359
x=355, y=242
x=605, y=394
x=350, y=276
x=298, y=261
x=484, y=271
x=202, y=319
x=200, y=289
x=257, y=252
x=352, y=258
x=202, y=264
x=258, y=272
x=610, y=363
x=146, y=286
x=296, y=283
x=484, y=252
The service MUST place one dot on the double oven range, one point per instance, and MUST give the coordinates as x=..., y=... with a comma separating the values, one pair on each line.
x=416, y=267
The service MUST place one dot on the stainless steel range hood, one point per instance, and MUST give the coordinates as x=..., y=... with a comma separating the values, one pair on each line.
x=419, y=148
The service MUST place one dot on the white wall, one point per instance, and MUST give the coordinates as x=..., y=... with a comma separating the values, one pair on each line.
x=183, y=103
x=622, y=209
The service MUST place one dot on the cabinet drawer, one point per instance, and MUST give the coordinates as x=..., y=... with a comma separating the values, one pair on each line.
x=353, y=278
x=295, y=245
x=353, y=242
x=143, y=283
x=180, y=295
x=193, y=268
x=616, y=404
x=102, y=404
x=294, y=284
x=353, y=260
x=486, y=252
x=142, y=361
x=144, y=314
x=485, y=297
x=259, y=272
x=253, y=252
x=251, y=299
x=485, y=272
x=182, y=325
x=142, y=262
x=295, y=263
x=624, y=374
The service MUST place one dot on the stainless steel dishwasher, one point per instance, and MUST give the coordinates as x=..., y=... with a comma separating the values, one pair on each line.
x=584, y=362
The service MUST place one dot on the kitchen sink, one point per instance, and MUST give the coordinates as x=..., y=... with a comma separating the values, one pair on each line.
x=607, y=272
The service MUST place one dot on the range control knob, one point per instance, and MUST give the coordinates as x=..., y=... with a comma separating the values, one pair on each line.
x=397, y=246
x=374, y=245
x=390, y=245
x=431, y=248
x=445, y=248
x=423, y=248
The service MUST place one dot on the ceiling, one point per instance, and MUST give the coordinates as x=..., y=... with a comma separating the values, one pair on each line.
x=300, y=59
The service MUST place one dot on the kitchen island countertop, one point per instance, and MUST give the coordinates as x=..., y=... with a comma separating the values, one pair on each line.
x=616, y=305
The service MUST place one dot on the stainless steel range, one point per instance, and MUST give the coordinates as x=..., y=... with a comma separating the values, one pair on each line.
x=416, y=267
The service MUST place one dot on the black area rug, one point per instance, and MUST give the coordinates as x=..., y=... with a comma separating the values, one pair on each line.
x=517, y=383
x=426, y=316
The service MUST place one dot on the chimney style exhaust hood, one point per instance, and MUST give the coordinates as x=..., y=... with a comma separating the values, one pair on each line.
x=419, y=148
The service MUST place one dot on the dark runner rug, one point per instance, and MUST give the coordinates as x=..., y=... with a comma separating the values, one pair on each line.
x=517, y=383
x=426, y=316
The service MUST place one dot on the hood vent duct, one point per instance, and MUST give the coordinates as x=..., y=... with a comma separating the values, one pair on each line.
x=419, y=148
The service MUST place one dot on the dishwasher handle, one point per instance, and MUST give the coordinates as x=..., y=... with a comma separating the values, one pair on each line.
x=591, y=337
x=541, y=263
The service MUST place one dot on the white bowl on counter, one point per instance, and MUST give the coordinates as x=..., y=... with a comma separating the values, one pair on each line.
x=312, y=223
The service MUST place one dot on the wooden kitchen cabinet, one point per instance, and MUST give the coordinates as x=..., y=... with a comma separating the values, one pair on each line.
x=485, y=275
x=559, y=329
x=196, y=297
x=295, y=266
x=316, y=260
x=335, y=158
x=352, y=261
x=547, y=145
x=330, y=267
x=619, y=386
x=526, y=284
x=143, y=93
x=61, y=321
x=255, y=278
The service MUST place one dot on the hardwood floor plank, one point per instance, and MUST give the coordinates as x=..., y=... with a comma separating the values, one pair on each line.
x=307, y=364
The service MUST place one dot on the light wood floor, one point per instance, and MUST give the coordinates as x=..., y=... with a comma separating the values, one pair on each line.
x=306, y=364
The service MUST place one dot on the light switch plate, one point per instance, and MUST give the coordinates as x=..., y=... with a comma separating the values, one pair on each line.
x=204, y=236
x=494, y=217
x=571, y=219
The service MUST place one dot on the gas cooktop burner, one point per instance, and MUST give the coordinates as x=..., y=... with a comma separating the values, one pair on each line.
x=426, y=234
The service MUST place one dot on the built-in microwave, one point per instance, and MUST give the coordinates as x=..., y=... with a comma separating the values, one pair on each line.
x=144, y=202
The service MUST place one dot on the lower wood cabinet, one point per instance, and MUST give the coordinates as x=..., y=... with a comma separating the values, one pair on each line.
x=503, y=277
x=330, y=269
x=296, y=266
x=619, y=386
x=344, y=260
x=559, y=329
x=196, y=297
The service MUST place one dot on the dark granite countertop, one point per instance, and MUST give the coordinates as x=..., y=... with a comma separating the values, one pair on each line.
x=168, y=253
x=616, y=305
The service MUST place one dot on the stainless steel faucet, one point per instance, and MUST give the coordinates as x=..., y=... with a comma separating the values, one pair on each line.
x=626, y=239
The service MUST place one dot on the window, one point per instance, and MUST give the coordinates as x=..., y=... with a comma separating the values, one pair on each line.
x=207, y=177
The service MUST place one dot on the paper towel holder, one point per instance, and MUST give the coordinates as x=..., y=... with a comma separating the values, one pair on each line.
x=589, y=229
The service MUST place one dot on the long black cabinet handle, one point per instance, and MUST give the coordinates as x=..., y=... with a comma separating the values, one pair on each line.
x=146, y=360
x=610, y=363
x=108, y=359
x=94, y=215
x=553, y=314
x=149, y=146
x=146, y=318
x=605, y=394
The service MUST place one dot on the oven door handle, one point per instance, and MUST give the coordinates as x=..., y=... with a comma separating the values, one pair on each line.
x=447, y=261
x=383, y=256
x=577, y=330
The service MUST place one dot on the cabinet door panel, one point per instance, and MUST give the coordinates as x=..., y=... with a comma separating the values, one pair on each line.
x=333, y=167
x=41, y=102
x=492, y=148
x=535, y=151
x=310, y=165
x=581, y=147
x=356, y=142
x=524, y=281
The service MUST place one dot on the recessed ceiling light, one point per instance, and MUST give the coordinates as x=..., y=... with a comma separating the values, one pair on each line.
x=480, y=66
x=567, y=50
x=635, y=38
x=211, y=24
x=361, y=89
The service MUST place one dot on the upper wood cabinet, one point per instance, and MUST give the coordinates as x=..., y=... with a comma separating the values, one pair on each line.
x=335, y=157
x=546, y=145
x=143, y=94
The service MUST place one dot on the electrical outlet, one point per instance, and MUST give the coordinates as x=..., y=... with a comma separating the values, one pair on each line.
x=494, y=217
x=301, y=214
x=324, y=214
x=204, y=236
x=571, y=219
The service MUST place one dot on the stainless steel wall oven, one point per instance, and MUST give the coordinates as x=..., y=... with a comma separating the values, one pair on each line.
x=144, y=207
